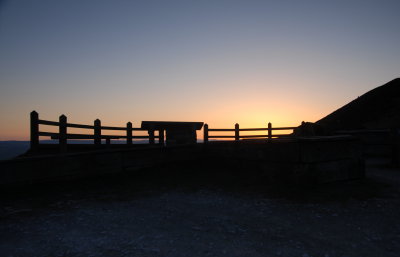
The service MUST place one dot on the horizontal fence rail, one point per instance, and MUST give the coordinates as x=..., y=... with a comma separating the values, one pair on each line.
x=237, y=136
x=97, y=136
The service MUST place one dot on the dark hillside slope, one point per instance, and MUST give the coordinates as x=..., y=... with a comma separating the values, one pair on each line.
x=378, y=108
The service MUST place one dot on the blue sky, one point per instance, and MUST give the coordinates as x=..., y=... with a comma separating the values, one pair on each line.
x=220, y=62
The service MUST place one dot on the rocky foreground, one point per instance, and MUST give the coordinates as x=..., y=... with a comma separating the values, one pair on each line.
x=135, y=216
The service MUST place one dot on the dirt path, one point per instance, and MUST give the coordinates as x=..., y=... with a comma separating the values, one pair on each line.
x=356, y=218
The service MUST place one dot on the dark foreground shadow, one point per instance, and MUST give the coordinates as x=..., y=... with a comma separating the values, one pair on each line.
x=191, y=177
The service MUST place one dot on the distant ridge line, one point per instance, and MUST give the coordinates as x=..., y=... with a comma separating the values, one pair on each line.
x=376, y=109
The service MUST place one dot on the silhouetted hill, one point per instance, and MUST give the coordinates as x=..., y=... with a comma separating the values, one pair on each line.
x=11, y=149
x=378, y=108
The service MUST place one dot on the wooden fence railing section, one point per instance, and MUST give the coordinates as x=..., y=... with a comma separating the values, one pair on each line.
x=97, y=135
x=237, y=136
x=98, y=132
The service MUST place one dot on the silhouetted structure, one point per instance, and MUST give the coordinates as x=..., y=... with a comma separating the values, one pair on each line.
x=293, y=160
x=177, y=133
x=309, y=129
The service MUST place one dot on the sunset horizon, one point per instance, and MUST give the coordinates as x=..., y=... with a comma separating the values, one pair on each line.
x=278, y=118
x=200, y=128
x=216, y=62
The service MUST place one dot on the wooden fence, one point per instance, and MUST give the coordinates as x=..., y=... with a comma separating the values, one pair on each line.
x=237, y=136
x=97, y=132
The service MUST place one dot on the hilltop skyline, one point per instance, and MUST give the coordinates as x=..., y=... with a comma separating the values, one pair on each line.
x=221, y=62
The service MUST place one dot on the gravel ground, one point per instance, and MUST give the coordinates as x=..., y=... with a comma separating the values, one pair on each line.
x=120, y=218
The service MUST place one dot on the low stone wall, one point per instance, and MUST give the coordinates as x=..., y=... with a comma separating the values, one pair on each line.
x=39, y=169
x=301, y=160
x=297, y=161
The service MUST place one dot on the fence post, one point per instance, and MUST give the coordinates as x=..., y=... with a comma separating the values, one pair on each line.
x=62, y=133
x=34, y=130
x=161, y=137
x=151, y=136
x=205, y=133
x=129, y=133
x=269, y=130
x=97, y=132
x=236, y=132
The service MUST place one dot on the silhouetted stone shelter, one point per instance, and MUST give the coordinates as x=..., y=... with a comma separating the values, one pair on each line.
x=176, y=132
x=312, y=159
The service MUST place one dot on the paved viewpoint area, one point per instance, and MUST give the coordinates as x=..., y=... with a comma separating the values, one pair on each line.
x=137, y=216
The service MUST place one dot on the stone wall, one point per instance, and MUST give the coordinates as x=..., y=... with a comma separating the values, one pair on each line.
x=301, y=160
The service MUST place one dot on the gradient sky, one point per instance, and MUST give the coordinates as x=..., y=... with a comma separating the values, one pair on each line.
x=215, y=61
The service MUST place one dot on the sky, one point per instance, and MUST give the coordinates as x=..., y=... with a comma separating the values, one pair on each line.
x=221, y=62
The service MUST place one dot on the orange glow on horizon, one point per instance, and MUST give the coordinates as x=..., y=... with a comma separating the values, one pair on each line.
x=220, y=110
x=248, y=115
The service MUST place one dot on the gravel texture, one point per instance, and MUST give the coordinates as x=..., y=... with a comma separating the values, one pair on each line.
x=118, y=217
